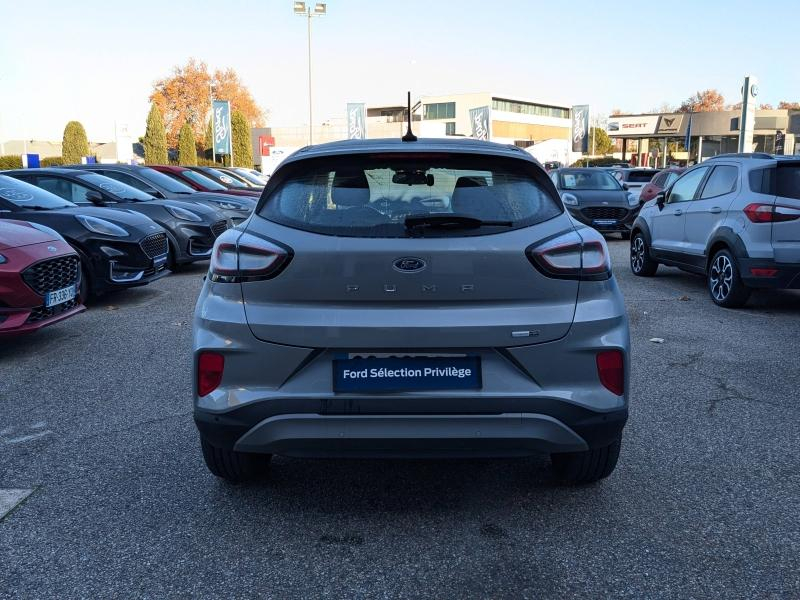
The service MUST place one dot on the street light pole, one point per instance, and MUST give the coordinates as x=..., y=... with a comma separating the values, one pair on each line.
x=310, y=112
x=301, y=9
x=211, y=98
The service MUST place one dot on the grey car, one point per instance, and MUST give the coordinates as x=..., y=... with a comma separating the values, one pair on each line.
x=734, y=219
x=429, y=298
x=594, y=197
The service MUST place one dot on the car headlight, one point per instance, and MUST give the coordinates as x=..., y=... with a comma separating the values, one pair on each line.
x=101, y=226
x=569, y=199
x=46, y=229
x=183, y=214
x=3, y=259
x=633, y=200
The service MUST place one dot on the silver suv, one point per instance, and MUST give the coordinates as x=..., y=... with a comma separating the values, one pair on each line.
x=428, y=298
x=734, y=218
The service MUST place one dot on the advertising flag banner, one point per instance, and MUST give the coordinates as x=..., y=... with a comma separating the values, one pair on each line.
x=580, y=128
x=479, y=118
x=780, y=143
x=223, y=144
x=356, y=121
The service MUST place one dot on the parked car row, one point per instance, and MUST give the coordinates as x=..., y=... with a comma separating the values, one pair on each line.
x=71, y=233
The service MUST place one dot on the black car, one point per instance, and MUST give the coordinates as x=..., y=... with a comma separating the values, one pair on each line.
x=191, y=228
x=163, y=186
x=596, y=198
x=231, y=180
x=118, y=249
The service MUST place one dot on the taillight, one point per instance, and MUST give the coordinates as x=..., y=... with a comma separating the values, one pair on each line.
x=573, y=256
x=611, y=370
x=770, y=213
x=239, y=256
x=210, y=366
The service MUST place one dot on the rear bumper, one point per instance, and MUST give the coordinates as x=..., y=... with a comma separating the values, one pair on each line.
x=786, y=276
x=308, y=432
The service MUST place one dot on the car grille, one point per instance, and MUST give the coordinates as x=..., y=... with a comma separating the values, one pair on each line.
x=605, y=212
x=219, y=228
x=52, y=274
x=40, y=313
x=154, y=245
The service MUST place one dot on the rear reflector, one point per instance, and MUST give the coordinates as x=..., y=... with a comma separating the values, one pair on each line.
x=210, y=366
x=611, y=370
x=755, y=272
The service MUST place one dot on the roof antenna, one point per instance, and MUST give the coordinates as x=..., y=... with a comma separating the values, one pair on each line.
x=409, y=136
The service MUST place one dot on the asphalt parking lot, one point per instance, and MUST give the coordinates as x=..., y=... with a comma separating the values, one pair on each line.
x=96, y=421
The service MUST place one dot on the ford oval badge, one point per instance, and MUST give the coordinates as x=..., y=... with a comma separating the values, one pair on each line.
x=409, y=264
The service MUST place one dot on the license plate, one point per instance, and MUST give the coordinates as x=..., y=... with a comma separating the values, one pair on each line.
x=159, y=261
x=367, y=375
x=605, y=221
x=59, y=296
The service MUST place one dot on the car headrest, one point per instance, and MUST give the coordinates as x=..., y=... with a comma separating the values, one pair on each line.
x=350, y=189
x=473, y=197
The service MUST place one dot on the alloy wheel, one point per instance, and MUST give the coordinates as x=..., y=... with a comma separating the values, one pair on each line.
x=637, y=254
x=721, y=277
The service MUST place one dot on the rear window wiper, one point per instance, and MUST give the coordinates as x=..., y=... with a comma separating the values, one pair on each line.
x=450, y=221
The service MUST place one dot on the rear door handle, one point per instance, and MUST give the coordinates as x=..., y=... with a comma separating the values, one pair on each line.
x=678, y=212
x=715, y=209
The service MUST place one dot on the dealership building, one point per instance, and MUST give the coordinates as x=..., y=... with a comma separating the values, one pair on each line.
x=512, y=120
x=642, y=138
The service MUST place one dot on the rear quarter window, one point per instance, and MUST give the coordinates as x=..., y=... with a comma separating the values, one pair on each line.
x=363, y=196
x=788, y=181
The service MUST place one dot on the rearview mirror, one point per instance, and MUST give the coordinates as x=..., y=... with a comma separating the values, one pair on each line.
x=412, y=177
x=625, y=187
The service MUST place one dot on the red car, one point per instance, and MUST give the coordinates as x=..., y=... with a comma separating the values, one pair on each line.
x=201, y=183
x=39, y=278
x=659, y=183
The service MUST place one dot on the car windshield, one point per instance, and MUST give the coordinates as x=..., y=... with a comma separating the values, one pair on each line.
x=165, y=181
x=116, y=188
x=203, y=181
x=588, y=180
x=359, y=196
x=641, y=176
x=254, y=179
x=25, y=195
x=226, y=178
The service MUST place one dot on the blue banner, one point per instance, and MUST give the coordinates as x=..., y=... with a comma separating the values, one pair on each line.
x=356, y=121
x=223, y=144
x=365, y=375
x=479, y=119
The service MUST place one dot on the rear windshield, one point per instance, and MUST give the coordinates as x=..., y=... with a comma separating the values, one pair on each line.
x=587, y=179
x=366, y=196
x=640, y=176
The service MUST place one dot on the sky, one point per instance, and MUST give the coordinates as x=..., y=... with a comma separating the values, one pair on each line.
x=96, y=62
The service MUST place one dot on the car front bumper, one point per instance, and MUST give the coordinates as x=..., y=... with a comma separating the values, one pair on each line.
x=606, y=225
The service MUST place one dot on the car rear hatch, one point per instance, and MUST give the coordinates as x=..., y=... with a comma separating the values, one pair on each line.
x=786, y=220
x=358, y=274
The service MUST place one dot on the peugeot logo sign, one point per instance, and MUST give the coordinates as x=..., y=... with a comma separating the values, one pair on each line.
x=409, y=264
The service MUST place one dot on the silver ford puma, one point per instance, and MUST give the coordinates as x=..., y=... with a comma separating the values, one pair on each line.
x=426, y=298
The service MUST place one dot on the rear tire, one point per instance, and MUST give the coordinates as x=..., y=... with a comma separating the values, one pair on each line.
x=588, y=466
x=724, y=282
x=232, y=466
x=641, y=263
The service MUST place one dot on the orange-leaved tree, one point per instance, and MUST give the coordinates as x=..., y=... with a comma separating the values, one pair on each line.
x=705, y=101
